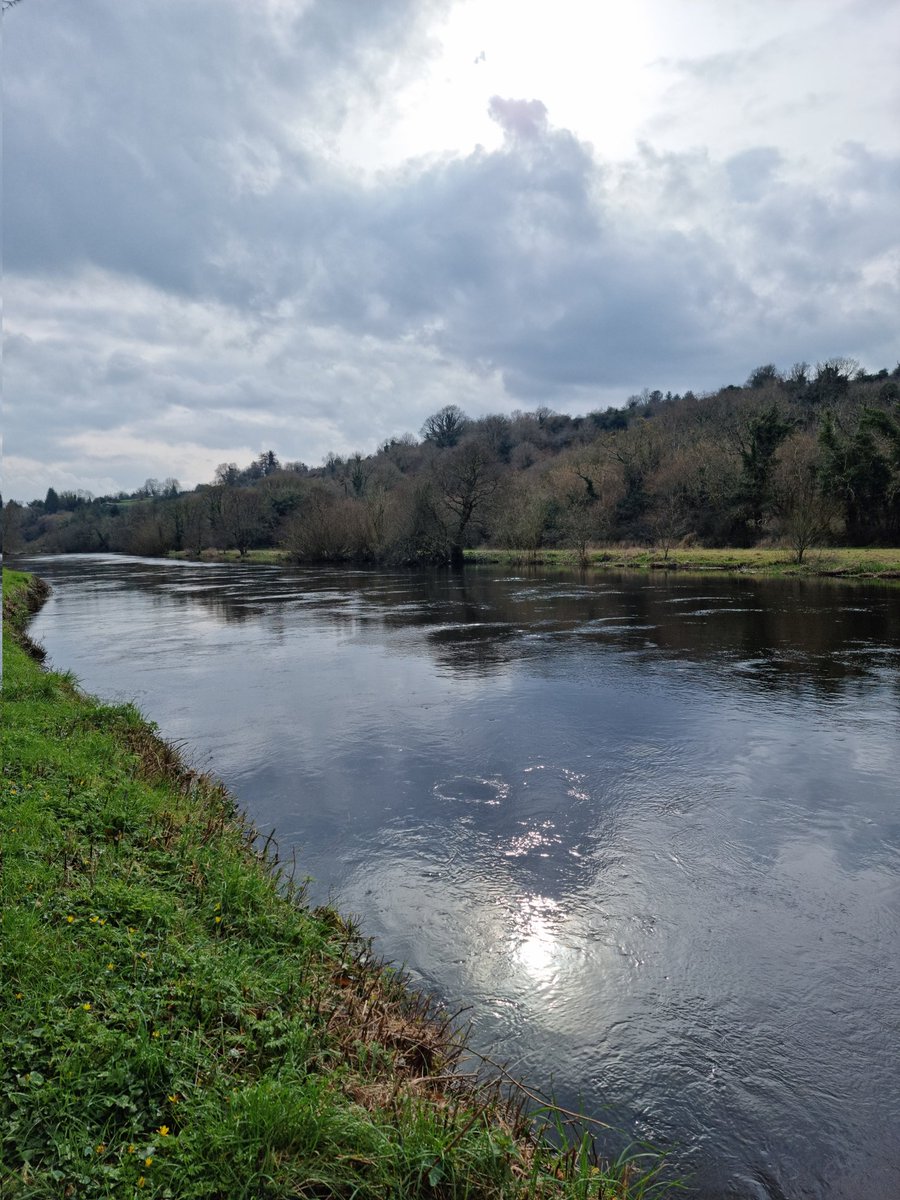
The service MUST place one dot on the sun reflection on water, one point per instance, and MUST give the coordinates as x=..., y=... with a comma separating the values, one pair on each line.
x=536, y=945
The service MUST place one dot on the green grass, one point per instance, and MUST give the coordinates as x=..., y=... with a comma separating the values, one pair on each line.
x=268, y=557
x=174, y=1022
x=839, y=562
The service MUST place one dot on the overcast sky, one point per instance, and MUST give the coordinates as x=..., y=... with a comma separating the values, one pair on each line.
x=307, y=224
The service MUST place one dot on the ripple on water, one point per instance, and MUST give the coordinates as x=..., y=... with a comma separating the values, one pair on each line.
x=474, y=789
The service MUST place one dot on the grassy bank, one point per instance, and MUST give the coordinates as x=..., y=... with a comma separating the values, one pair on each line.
x=252, y=556
x=837, y=562
x=846, y=563
x=175, y=1023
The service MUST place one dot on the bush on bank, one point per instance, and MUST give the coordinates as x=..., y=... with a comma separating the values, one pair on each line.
x=174, y=1022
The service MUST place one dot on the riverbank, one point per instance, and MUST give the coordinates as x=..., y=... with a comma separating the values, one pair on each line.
x=264, y=557
x=174, y=1021
x=835, y=563
x=838, y=562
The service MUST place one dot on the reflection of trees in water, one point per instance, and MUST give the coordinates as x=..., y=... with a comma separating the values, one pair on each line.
x=772, y=635
x=787, y=633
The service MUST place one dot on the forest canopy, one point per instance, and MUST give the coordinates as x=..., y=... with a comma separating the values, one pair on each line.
x=802, y=457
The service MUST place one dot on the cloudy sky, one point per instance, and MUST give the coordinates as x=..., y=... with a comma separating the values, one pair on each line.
x=231, y=225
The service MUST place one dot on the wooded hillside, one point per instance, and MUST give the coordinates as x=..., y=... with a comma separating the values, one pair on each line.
x=803, y=457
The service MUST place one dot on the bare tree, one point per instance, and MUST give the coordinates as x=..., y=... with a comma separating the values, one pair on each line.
x=804, y=514
x=587, y=489
x=524, y=518
x=467, y=478
x=195, y=520
x=445, y=428
x=241, y=518
x=668, y=516
x=228, y=474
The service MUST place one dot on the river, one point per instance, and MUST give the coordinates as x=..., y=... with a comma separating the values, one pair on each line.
x=647, y=827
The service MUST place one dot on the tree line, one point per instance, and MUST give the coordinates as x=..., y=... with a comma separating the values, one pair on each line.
x=800, y=457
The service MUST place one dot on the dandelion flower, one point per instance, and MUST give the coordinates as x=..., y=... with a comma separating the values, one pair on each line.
x=155, y=1033
x=70, y=919
x=141, y=1181
x=163, y=1131
x=148, y=1161
x=110, y=966
x=103, y=921
x=87, y=1006
x=100, y=1148
x=94, y=920
x=218, y=920
x=131, y=1148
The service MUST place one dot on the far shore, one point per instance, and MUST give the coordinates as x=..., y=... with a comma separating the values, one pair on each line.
x=832, y=562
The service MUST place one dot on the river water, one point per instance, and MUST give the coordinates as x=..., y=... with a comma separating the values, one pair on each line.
x=647, y=827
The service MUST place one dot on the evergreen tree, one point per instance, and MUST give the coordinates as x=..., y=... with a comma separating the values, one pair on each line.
x=764, y=433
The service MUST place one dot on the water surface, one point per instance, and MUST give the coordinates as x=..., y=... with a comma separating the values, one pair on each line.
x=647, y=827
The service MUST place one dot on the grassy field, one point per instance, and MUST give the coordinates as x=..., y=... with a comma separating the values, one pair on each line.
x=174, y=1022
x=838, y=562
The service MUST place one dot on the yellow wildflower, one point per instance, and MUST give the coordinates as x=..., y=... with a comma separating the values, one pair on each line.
x=163, y=1131
x=218, y=920
x=110, y=966
x=87, y=1006
x=148, y=1160
x=155, y=1033
x=100, y=1148
x=94, y=920
x=131, y=1148
x=70, y=919
x=173, y=1099
x=141, y=1181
